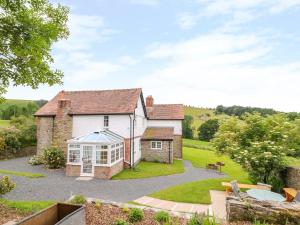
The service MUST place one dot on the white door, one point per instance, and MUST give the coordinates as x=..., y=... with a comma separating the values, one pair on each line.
x=87, y=168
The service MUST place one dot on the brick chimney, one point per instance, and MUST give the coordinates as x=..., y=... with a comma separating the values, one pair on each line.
x=149, y=101
x=62, y=123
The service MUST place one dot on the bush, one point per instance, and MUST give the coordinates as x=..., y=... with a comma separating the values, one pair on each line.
x=12, y=136
x=2, y=146
x=36, y=160
x=187, y=129
x=196, y=219
x=6, y=185
x=120, y=222
x=202, y=219
x=208, y=129
x=54, y=158
x=78, y=199
x=162, y=217
x=135, y=215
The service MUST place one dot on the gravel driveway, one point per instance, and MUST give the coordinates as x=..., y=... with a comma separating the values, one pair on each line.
x=56, y=186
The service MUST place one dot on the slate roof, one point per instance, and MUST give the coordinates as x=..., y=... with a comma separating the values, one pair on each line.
x=166, y=112
x=122, y=101
x=158, y=133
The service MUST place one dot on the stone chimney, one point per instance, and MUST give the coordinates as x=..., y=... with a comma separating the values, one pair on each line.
x=62, y=123
x=149, y=101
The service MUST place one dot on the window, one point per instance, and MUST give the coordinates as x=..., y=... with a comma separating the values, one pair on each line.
x=101, y=157
x=104, y=147
x=113, y=156
x=106, y=121
x=121, y=152
x=117, y=154
x=74, y=153
x=156, y=145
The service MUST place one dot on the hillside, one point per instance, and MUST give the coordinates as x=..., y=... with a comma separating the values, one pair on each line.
x=18, y=102
x=201, y=115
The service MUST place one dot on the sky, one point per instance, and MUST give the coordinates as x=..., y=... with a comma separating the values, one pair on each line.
x=196, y=52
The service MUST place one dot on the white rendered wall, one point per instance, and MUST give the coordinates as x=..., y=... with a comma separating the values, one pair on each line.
x=177, y=124
x=140, y=120
x=82, y=125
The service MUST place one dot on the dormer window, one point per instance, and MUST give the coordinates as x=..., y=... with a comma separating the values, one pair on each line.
x=106, y=121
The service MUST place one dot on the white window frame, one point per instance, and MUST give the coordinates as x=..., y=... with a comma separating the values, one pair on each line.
x=74, y=147
x=106, y=121
x=155, y=143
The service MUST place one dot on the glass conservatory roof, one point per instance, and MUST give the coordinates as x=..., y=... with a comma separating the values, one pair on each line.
x=104, y=136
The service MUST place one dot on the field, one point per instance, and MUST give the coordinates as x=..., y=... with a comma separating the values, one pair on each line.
x=201, y=115
x=18, y=102
x=4, y=123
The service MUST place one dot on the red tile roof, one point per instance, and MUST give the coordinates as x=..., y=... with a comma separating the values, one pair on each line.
x=158, y=133
x=121, y=101
x=166, y=112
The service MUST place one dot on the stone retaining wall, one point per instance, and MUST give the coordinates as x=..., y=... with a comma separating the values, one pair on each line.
x=270, y=212
x=292, y=177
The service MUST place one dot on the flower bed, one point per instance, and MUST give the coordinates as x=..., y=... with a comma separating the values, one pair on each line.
x=8, y=214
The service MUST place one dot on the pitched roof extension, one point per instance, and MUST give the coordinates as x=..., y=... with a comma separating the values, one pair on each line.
x=158, y=133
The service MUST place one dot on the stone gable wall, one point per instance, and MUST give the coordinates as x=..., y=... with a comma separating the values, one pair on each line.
x=44, y=133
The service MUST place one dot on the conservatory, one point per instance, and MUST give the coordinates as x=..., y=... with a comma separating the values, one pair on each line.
x=99, y=154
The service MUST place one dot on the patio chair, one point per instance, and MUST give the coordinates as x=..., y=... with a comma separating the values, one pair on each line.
x=235, y=189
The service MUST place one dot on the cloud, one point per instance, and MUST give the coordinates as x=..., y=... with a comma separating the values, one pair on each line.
x=128, y=60
x=145, y=2
x=219, y=68
x=77, y=55
x=186, y=20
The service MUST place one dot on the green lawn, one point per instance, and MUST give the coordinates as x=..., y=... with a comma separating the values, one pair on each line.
x=4, y=123
x=205, y=145
x=293, y=161
x=198, y=191
x=151, y=169
x=22, y=174
x=26, y=206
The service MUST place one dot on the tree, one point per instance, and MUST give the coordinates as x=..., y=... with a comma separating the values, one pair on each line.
x=28, y=28
x=208, y=129
x=260, y=144
x=187, y=127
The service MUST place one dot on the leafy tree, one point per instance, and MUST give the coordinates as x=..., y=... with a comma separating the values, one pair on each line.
x=41, y=102
x=240, y=110
x=259, y=144
x=28, y=28
x=187, y=127
x=208, y=129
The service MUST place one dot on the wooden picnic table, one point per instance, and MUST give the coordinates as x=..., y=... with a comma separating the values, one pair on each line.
x=290, y=193
x=227, y=185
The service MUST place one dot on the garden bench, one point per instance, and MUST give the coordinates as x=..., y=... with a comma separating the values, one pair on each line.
x=227, y=185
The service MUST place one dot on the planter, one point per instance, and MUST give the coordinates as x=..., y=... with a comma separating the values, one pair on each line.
x=58, y=214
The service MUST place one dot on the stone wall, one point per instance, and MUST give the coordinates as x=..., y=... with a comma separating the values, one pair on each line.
x=177, y=146
x=292, y=177
x=62, y=125
x=107, y=172
x=156, y=155
x=73, y=170
x=44, y=133
x=270, y=212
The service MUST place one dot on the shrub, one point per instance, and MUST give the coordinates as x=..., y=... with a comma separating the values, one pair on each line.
x=54, y=158
x=36, y=160
x=2, y=146
x=135, y=215
x=162, y=217
x=257, y=222
x=98, y=204
x=6, y=185
x=208, y=129
x=11, y=135
x=202, y=219
x=196, y=219
x=120, y=222
x=125, y=210
x=187, y=129
x=78, y=199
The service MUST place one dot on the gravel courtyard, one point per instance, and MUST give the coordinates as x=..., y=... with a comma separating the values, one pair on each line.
x=56, y=186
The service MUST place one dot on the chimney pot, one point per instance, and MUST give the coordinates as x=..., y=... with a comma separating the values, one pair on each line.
x=149, y=101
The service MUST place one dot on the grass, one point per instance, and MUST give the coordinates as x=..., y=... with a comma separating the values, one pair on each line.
x=26, y=206
x=150, y=169
x=22, y=174
x=198, y=191
x=291, y=161
x=4, y=123
x=201, y=115
x=197, y=144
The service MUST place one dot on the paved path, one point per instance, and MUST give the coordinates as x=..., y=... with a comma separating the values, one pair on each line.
x=56, y=186
x=217, y=208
